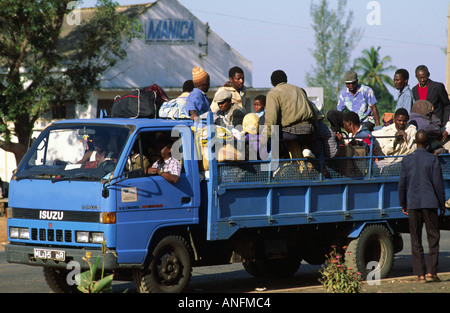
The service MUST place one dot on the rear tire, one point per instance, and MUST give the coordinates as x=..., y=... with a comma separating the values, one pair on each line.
x=169, y=268
x=374, y=244
x=252, y=268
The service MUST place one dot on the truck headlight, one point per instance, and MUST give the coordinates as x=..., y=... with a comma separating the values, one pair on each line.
x=14, y=232
x=97, y=237
x=89, y=237
x=82, y=236
x=24, y=233
x=19, y=233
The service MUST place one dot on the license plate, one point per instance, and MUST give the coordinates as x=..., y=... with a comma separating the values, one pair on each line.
x=48, y=254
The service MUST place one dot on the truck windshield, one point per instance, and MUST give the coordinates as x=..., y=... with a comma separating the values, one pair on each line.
x=74, y=153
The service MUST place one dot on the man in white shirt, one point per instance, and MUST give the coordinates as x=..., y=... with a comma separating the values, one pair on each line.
x=393, y=146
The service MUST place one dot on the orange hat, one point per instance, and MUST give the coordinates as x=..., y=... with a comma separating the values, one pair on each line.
x=199, y=76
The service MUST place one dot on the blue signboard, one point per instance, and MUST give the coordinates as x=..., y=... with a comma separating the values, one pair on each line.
x=169, y=31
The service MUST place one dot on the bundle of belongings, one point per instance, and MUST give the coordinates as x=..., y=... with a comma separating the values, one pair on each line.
x=140, y=103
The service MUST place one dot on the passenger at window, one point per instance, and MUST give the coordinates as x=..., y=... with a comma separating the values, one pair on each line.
x=167, y=166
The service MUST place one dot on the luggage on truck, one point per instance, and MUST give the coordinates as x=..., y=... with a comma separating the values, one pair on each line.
x=226, y=151
x=175, y=108
x=139, y=103
x=160, y=94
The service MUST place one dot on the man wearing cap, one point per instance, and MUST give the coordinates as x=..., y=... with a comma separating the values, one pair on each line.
x=197, y=101
x=229, y=114
x=355, y=98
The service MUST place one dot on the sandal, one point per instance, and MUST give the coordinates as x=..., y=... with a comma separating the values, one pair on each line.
x=432, y=278
x=421, y=279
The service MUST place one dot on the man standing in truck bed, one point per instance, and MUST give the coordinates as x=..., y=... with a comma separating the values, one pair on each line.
x=287, y=106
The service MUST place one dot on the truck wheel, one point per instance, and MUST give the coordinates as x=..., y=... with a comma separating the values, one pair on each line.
x=169, y=268
x=56, y=279
x=251, y=268
x=372, y=249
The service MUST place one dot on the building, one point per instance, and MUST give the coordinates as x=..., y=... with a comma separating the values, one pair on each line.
x=174, y=42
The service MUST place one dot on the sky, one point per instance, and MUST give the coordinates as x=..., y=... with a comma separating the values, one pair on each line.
x=278, y=34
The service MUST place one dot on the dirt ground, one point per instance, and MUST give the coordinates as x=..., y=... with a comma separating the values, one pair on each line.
x=389, y=285
x=3, y=237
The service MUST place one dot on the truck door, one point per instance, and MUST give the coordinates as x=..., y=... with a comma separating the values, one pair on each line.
x=148, y=202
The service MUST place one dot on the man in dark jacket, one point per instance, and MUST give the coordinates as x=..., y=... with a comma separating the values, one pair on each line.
x=432, y=91
x=421, y=193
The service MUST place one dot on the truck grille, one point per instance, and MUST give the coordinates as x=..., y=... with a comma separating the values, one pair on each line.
x=57, y=235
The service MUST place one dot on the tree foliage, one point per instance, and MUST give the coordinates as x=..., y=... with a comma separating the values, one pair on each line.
x=39, y=73
x=334, y=42
x=371, y=68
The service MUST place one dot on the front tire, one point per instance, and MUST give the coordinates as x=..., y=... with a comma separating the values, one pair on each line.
x=56, y=279
x=169, y=268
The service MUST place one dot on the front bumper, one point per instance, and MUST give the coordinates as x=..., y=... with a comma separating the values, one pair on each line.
x=25, y=255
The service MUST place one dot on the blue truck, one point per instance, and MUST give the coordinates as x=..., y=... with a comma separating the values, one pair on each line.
x=269, y=214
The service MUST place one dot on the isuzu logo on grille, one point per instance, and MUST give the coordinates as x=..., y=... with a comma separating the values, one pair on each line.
x=51, y=215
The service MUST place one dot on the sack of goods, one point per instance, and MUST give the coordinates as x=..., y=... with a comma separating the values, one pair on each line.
x=139, y=103
x=175, y=108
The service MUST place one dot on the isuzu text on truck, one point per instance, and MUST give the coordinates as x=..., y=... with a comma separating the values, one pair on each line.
x=268, y=214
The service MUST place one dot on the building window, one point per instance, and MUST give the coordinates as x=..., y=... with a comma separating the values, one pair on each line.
x=104, y=104
x=59, y=112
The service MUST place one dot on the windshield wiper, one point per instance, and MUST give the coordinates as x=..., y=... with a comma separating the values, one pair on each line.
x=75, y=177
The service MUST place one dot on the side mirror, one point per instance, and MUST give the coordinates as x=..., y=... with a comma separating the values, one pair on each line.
x=105, y=192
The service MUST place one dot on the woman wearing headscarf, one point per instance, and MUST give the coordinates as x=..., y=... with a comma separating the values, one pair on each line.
x=423, y=118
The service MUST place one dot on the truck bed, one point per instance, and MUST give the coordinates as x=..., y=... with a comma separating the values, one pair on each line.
x=304, y=191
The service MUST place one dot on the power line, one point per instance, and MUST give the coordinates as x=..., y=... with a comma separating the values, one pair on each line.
x=311, y=30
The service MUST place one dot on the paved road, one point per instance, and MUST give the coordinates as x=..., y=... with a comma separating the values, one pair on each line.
x=16, y=278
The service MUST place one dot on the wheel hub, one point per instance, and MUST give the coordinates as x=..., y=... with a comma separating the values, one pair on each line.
x=170, y=268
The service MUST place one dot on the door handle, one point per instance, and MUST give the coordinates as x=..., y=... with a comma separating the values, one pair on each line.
x=185, y=200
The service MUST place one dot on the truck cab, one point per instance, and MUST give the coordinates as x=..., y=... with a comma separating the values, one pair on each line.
x=84, y=182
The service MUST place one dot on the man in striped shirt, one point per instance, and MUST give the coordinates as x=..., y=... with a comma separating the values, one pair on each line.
x=167, y=166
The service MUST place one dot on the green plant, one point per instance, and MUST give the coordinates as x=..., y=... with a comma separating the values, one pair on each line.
x=87, y=282
x=337, y=277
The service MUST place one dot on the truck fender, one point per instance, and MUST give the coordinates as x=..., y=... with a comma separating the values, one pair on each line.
x=359, y=226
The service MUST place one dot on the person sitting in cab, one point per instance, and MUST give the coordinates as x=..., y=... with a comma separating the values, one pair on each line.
x=93, y=158
x=167, y=166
